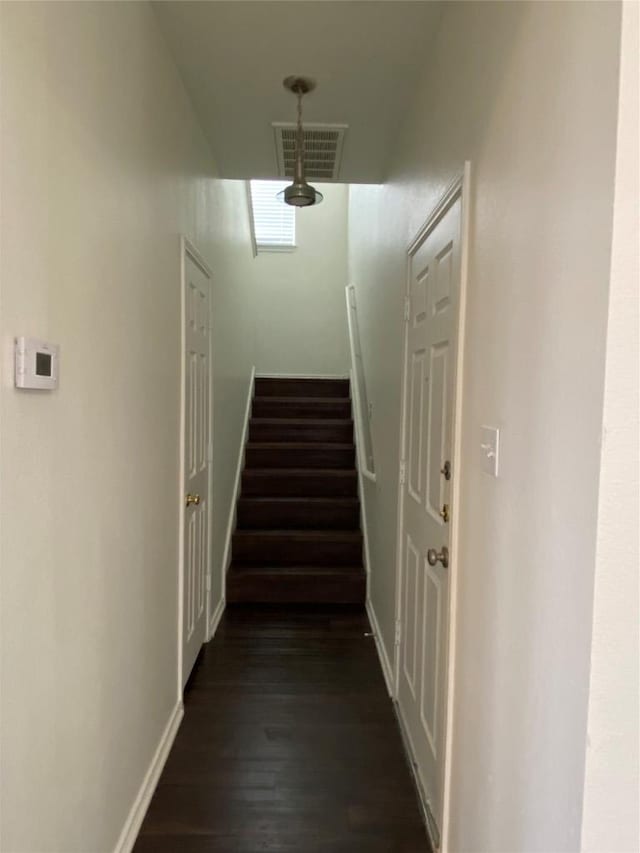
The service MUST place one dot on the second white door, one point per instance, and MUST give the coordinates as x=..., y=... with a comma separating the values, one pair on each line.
x=195, y=491
x=431, y=346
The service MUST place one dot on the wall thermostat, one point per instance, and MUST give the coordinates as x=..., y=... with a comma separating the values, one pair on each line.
x=36, y=364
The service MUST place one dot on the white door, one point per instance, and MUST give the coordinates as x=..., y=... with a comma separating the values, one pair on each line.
x=431, y=347
x=195, y=491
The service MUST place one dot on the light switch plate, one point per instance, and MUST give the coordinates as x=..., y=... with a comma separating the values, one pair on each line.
x=490, y=445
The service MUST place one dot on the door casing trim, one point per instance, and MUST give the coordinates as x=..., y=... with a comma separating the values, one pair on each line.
x=459, y=188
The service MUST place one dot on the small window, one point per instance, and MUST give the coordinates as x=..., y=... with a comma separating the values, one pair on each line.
x=273, y=221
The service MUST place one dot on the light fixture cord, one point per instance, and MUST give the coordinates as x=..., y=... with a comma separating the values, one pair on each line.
x=299, y=176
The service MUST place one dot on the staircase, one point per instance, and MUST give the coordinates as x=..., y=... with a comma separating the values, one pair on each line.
x=298, y=535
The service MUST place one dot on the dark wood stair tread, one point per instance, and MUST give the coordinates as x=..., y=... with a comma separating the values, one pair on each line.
x=296, y=547
x=313, y=500
x=299, y=445
x=300, y=431
x=299, y=513
x=296, y=585
x=316, y=408
x=294, y=398
x=299, y=482
x=267, y=386
x=306, y=535
x=303, y=421
x=299, y=454
x=297, y=570
x=302, y=473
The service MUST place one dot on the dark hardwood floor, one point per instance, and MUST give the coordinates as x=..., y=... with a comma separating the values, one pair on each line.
x=289, y=743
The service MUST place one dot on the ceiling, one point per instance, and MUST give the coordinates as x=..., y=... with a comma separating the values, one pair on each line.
x=365, y=56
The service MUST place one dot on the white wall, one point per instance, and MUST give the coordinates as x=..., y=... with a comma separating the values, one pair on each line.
x=103, y=166
x=518, y=89
x=298, y=297
x=612, y=796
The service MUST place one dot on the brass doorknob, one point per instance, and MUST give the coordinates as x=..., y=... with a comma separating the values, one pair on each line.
x=192, y=499
x=434, y=557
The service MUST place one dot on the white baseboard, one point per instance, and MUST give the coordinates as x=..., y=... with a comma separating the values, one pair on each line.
x=236, y=486
x=216, y=616
x=385, y=664
x=387, y=671
x=432, y=829
x=141, y=803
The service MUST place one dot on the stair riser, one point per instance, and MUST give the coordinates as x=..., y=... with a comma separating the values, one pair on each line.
x=302, y=388
x=312, y=484
x=282, y=550
x=262, y=457
x=296, y=515
x=272, y=588
x=293, y=408
x=312, y=431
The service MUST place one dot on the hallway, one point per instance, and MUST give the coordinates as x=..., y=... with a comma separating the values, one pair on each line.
x=289, y=743
x=237, y=434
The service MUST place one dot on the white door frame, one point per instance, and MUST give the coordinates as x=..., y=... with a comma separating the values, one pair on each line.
x=187, y=249
x=459, y=188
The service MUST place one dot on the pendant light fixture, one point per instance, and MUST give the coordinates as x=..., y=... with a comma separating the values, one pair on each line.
x=300, y=193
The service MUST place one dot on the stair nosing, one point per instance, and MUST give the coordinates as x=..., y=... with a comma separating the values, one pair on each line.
x=302, y=421
x=290, y=398
x=327, y=570
x=302, y=472
x=331, y=499
x=305, y=445
x=312, y=533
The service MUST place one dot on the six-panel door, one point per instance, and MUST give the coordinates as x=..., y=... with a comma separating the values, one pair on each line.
x=196, y=477
x=434, y=278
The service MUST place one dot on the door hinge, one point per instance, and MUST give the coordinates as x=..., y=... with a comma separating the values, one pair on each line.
x=403, y=472
x=398, y=632
x=407, y=309
x=208, y=583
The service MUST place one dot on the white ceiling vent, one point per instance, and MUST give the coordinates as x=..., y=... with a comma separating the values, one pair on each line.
x=322, y=149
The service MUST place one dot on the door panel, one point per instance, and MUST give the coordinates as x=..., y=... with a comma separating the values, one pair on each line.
x=431, y=338
x=196, y=472
x=430, y=676
x=419, y=296
x=436, y=431
x=411, y=609
x=416, y=424
x=442, y=290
